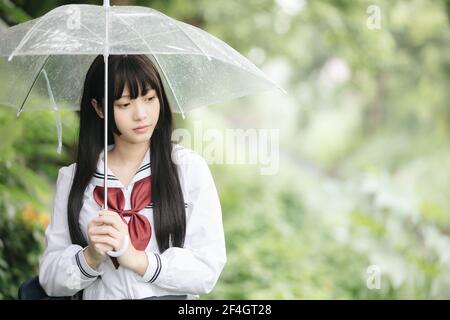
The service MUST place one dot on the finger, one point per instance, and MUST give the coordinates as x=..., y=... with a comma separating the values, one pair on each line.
x=102, y=248
x=108, y=213
x=95, y=223
x=106, y=240
x=99, y=220
x=106, y=230
x=112, y=214
x=115, y=222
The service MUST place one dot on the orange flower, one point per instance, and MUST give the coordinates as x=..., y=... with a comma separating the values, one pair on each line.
x=32, y=217
x=29, y=214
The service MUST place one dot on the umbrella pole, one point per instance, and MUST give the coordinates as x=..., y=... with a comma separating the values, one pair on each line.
x=105, y=162
x=125, y=244
x=105, y=107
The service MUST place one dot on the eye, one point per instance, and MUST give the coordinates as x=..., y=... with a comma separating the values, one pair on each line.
x=122, y=106
x=150, y=98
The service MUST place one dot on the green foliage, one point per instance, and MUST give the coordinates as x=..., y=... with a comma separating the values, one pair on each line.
x=28, y=168
x=21, y=245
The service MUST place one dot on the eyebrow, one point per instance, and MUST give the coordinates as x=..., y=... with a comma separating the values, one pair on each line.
x=146, y=91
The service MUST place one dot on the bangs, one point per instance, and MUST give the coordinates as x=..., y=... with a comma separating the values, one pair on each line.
x=135, y=74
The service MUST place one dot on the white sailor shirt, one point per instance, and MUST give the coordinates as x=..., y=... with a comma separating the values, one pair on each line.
x=191, y=270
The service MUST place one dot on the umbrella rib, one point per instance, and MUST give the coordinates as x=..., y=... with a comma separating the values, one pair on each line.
x=56, y=109
x=91, y=32
x=189, y=37
x=32, y=85
x=129, y=40
x=78, y=38
x=25, y=39
x=32, y=30
x=174, y=22
x=157, y=61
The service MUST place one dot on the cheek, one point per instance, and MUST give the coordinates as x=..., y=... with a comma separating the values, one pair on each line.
x=120, y=118
x=154, y=113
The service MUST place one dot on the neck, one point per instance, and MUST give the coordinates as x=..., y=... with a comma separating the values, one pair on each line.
x=127, y=153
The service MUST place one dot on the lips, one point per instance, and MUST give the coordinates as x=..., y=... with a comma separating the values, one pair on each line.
x=142, y=127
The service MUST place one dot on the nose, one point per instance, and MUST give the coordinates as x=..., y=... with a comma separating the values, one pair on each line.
x=140, y=112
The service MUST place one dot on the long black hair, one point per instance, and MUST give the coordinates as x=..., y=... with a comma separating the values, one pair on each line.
x=138, y=73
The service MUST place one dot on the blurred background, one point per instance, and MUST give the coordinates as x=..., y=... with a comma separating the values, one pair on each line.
x=360, y=205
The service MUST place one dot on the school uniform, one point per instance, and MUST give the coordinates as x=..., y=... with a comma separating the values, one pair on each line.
x=191, y=270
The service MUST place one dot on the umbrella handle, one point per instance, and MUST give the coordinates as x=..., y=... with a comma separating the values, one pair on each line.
x=125, y=245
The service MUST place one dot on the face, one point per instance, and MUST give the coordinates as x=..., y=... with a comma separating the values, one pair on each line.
x=132, y=114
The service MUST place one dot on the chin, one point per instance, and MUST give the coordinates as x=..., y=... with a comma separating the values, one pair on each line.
x=137, y=140
x=143, y=138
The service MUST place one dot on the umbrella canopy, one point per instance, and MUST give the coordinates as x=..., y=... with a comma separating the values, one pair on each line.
x=56, y=50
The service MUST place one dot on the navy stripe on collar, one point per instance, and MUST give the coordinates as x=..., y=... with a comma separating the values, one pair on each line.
x=146, y=166
x=149, y=206
x=101, y=176
x=111, y=177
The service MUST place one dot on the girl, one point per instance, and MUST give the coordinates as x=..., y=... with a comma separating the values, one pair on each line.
x=160, y=196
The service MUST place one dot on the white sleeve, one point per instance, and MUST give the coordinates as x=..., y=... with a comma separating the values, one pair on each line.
x=63, y=271
x=195, y=268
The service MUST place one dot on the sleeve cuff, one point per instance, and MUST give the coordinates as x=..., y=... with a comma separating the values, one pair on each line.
x=153, y=269
x=87, y=272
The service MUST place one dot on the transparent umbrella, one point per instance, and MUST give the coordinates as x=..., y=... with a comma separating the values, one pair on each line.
x=43, y=62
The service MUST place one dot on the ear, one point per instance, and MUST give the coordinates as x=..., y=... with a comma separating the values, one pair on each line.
x=97, y=108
